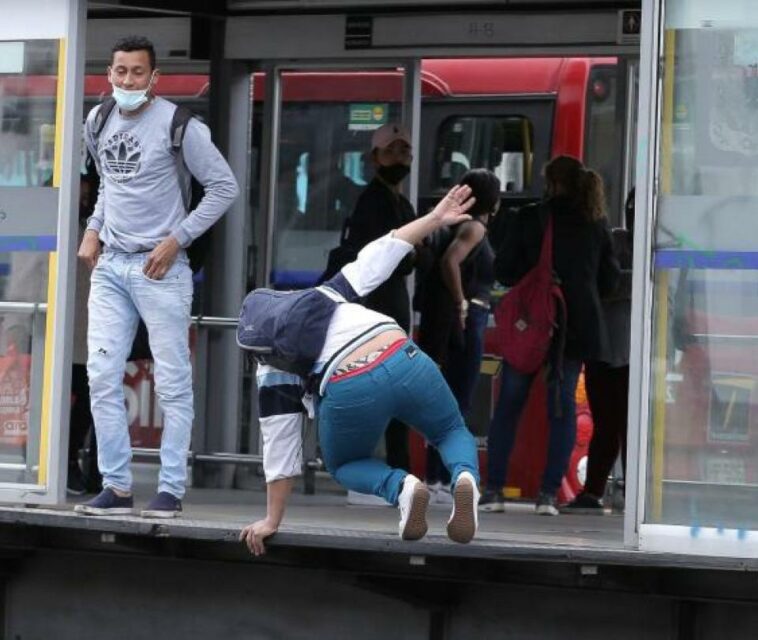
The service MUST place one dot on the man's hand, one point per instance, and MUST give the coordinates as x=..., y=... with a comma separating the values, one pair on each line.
x=161, y=258
x=254, y=534
x=89, y=249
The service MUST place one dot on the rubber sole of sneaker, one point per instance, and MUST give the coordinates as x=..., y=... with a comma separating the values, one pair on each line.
x=462, y=525
x=416, y=527
x=96, y=511
x=160, y=513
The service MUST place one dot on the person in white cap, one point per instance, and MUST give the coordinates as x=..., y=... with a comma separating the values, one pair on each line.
x=382, y=207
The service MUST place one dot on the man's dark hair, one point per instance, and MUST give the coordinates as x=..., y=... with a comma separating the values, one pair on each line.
x=135, y=43
x=485, y=187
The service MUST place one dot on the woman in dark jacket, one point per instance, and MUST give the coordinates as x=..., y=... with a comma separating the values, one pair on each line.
x=607, y=382
x=584, y=261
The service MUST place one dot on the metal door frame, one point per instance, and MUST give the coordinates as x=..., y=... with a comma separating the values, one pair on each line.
x=67, y=24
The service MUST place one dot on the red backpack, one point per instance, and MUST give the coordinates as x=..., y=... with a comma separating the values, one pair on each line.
x=530, y=313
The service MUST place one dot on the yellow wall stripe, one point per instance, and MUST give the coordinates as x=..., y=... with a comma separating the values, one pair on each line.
x=667, y=125
x=47, y=380
x=52, y=280
x=661, y=284
x=659, y=390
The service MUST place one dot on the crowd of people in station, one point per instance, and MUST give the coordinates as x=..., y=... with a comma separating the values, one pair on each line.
x=344, y=350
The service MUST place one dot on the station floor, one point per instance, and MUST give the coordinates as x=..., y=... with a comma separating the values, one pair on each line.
x=326, y=521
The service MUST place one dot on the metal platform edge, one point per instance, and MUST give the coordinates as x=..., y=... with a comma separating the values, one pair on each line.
x=363, y=541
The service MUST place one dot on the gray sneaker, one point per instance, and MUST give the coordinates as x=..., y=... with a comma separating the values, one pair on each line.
x=546, y=505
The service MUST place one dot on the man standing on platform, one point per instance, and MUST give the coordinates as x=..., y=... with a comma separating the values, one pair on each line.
x=142, y=221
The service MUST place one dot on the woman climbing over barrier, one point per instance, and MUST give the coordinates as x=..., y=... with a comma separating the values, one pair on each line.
x=362, y=370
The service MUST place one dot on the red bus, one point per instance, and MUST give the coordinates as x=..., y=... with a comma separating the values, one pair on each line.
x=508, y=115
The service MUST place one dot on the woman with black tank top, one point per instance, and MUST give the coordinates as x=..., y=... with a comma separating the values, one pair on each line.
x=456, y=307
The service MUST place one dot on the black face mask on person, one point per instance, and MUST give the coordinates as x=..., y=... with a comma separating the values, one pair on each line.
x=394, y=173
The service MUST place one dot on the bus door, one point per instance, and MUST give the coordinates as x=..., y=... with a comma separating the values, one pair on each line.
x=321, y=161
x=311, y=158
x=41, y=56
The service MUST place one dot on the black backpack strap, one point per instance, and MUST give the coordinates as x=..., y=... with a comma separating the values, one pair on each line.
x=102, y=115
x=179, y=122
x=104, y=111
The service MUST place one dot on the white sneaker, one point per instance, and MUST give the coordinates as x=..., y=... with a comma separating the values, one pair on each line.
x=413, y=502
x=441, y=493
x=464, y=520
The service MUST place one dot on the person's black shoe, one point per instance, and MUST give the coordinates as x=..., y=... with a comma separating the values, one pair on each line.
x=492, y=500
x=163, y=505
x=108, y=503
x=75, y=480
x=583, y=504
x=546, y=504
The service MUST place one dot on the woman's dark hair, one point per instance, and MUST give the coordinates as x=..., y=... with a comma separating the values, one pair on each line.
x=485, y=187
x=135, y=43
x=584, y=187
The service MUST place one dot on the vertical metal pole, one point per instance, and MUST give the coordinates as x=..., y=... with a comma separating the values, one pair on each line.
x=618, y=194
x=270, y=164
x=226, y=282
x=68, y=215
x=630, y=129
x=412, y=121
x=642, y=288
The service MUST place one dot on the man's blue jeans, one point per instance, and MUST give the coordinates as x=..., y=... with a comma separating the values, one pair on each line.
x=355, y=411
x=514, y=391
x=120, y=294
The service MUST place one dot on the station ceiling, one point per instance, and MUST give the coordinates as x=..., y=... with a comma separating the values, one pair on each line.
x=219, y=9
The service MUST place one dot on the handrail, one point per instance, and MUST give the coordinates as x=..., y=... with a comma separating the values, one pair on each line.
x=144, y=453
x=22, y=307
x=215, y=321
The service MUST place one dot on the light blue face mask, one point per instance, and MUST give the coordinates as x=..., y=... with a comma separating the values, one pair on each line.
x=129, y=100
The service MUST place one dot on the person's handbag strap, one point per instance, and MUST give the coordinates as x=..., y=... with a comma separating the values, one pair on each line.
x=546, y=253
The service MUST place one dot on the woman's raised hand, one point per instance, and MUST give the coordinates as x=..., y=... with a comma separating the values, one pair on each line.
x=453, y=207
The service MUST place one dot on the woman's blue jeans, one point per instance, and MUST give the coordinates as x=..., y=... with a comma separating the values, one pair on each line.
x=461, y=370
x=514, y=391
x=354, y=413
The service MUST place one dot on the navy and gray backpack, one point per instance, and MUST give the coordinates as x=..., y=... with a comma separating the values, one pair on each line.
x=287, y=329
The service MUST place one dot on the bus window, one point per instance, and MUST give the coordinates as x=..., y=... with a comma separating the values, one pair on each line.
x=327, y=120
x=502, y=144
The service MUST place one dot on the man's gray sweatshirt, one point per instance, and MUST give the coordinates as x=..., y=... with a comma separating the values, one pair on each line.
x=140, y=200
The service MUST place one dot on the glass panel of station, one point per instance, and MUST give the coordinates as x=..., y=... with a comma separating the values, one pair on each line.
x=703, y=444
x=28, y=101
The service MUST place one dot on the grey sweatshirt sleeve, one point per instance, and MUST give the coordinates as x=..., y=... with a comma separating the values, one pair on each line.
x=95, y=221
x=208, y=166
